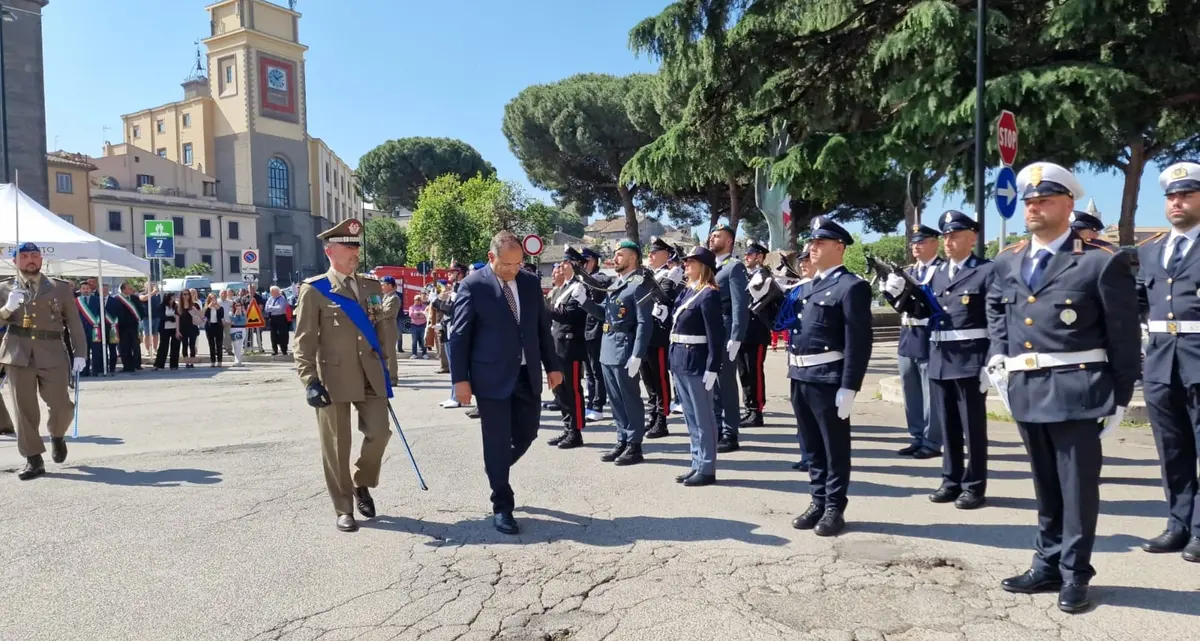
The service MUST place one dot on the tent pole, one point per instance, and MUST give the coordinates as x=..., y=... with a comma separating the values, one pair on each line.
x=103, y=317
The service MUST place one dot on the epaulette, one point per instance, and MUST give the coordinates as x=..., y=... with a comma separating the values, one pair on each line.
x=369, y=276
x=1154, y=237
x=1100, y=245
x=1016, y=247
x=312, y=279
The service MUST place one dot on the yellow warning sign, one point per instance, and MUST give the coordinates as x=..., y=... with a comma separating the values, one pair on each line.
x=254, y=317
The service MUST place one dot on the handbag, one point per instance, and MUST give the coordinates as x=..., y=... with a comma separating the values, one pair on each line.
x=430, y=335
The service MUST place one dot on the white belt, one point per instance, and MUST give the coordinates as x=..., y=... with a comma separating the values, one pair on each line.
x=689, y=339
x=799, y=360
x=1033, y=360
x=951, y=335
x=914, y=322
x=1174, y=327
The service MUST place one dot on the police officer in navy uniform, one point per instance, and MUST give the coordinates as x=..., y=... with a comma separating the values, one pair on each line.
x=656, y=368
x=1062, y=315
x=567, y=322
x=596, y=396
x=958, y=350
x=1169, y=289
x=913, y=349
x=752, y=356
x=1087, y=227
x=735, y=310
x=827, y=358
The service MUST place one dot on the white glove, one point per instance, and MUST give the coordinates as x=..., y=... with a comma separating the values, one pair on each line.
x=660, y=312
x=758, y=286
x=732, y=347
x=577, y=294
x=1113, y=421
x=844, y=400
x=14, y=301
x=985, y=379
x=710, y=379
x=633, y=366
x=78, y=365
x=895, y=284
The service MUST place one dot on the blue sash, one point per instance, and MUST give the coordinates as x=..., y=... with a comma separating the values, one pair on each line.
x=361, y=321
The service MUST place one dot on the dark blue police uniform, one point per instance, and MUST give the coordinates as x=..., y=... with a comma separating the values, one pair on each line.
x=735, y=311
x=828, y=352
x=1169, y=295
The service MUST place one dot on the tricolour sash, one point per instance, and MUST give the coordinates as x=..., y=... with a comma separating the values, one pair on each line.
x=132, y=308
x=92, y=318
x=358, y=316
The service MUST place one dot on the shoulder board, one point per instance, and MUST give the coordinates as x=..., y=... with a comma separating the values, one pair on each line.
x=1100, y=245
x=60, y=281
x=1016, y=247
x=312, y=279
x=368, y=276
x=635, y=280
x=1154, y=237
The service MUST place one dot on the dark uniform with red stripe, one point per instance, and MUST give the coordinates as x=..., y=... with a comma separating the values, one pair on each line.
x=567, y=324
x=751, y=359
x=655, y=368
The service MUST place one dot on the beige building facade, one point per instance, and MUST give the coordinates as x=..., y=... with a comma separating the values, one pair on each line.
x=334, y=190
x=69, y=189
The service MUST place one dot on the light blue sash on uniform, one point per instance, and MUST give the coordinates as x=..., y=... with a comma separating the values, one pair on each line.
x=361, y=321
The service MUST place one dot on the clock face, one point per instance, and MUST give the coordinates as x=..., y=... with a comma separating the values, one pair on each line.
x=276, y=79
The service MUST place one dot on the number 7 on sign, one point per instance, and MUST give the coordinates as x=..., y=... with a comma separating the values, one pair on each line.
x=160, y=243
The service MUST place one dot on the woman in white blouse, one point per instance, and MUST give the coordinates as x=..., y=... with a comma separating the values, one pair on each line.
x=214, y=329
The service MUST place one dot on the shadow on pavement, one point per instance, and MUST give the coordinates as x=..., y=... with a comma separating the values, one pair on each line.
x=997, y=535
x=1153, y=599
x=139, y=478
x=1147, y=509
x=94, y=440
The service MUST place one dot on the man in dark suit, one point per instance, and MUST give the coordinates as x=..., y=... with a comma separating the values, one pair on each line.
x=124, y=309
x=498, y=338
x=1062, y=318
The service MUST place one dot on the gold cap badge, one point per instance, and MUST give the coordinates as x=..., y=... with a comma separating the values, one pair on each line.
x=1180, y=172
x=917, y=227
x=1035, y=175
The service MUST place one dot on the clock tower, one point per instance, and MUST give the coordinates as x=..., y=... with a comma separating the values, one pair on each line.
x=260, y=130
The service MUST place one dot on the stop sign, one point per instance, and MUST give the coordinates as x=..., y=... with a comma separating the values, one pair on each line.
x=1006, y=137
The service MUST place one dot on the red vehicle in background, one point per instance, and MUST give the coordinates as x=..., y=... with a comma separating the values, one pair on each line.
x=411, y=282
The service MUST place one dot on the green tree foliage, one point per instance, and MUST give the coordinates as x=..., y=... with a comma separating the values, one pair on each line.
x=893, y=249
x=195, y=269
x=393, y=174
x=385, y=242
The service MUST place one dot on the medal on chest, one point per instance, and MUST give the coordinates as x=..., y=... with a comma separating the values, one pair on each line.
x=1068, y=316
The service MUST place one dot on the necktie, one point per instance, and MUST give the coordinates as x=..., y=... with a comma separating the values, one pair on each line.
x=1177, y=254
x=512, y=301
x=1039, y=268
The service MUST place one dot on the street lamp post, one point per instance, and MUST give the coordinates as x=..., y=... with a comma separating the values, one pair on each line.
x=5, y=16
x=980, y=131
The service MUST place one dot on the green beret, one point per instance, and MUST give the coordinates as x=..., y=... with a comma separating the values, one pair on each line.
x=629, y=244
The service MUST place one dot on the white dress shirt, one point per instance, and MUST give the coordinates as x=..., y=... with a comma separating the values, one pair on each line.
x=1190, y=234
x=1035, y=246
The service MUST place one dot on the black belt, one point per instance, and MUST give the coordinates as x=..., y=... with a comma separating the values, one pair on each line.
x=44, y=334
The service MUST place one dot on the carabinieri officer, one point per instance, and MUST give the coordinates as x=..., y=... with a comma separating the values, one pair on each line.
x=655, y=370
x=827, y=356
x=1169, y=289
x=1062, y=315
x=752, y=357
x=567, y=322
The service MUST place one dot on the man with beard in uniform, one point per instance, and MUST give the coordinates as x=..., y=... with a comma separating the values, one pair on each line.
x=567, y=322
x=1169, y=293
x=735, y=311
x=1063, y=320
x=596, y=396
x=655, y=368
x=752, y=357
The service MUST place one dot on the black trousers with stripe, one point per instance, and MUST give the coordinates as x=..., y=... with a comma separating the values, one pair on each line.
x=569, y=395
x=751, y=360
x=656, y=378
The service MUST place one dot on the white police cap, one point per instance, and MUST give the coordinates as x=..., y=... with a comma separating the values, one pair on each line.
x=1043, y=179
x=1180, y=177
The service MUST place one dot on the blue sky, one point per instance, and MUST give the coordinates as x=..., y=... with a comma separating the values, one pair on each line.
x=388, y=69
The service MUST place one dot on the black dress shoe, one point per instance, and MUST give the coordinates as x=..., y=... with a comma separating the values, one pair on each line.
x=346, y=523
x=700, y=480
x=683, y=477
x=615, y=452
x=58, y=449
x=926, y=453
x=658, y=431
x=753, y=419
x=573, y=440
x=505, y=523
x=969, y=501
x=1192, y=551
x=366, y=505
x=559, y=439
x=1032, y=582
x=34, y=467
x=7, y=431
x=944, y=495
x=831, y=524
x=552, y=406
x=800, y=465
x=1168, y=541
x=808, y=520
x=908, y=451
x=727, y=444
x=631, y=456
x=1073, y=598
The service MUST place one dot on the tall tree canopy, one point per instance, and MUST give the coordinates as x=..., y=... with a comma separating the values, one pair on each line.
x=385, y=242
x=393, y=174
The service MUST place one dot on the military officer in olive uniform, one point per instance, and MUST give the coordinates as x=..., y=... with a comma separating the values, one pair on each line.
x=828, y=352
x=1169, y=292
x=1062, y=316
x=340, y=363
x=389, y=325
x=627, y=324
x=656, y=370
x=36, y=312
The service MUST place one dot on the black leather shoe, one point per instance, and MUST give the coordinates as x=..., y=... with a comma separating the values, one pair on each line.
x=808, y=520
x=1073, y=598
x=1168, y=541
x=631, y=456
x=560, y=438
x=800, y=465
x=926, y=453
x=505, y=523
x=753, y=419
x=683, y=477
x=727, y=444
x=614, y=453
x=7, y=431
x=908, y=451
x=346, y=523
x=658, y=431
x=34, y=467
x=700, y=480
x=944, y=495
x=1032, y=582
x=573, y=440
x=1192, y=551
x=58, y=449
x=552, y=406
x=831, y=524
x=366, y=505
x=969, y=501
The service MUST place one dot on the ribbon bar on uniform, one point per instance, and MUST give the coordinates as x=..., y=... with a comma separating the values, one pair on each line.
x=803, y=360
x=689, y=339
x=1034, y=361
x=954, y=335
x=1174, y=327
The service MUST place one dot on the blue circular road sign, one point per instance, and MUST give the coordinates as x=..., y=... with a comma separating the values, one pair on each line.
x=1006, y=192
